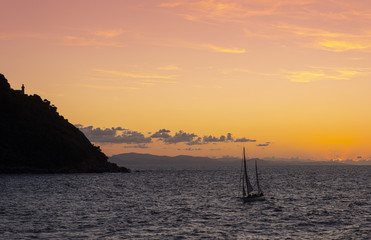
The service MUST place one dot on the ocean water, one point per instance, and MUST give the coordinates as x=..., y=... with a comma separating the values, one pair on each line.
x=303, y=202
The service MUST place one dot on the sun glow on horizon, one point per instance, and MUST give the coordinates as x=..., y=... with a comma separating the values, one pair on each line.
x=292, y=75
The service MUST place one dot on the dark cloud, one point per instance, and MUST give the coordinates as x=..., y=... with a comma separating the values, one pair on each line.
x=198, y=141
x=229, y=137
x=180, y=137
x=137, y=146
x=208, y=139
x=244, y=140
x=112, y=135
x=122, y=135
x=192, y=149
x=119, y=129
x=98, y=134
x=133, y=137
x=162, y=133
x=263, y=144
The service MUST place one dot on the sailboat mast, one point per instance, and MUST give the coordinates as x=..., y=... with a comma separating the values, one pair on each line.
x=242, y=178
x=257, y=178
x=245, y=171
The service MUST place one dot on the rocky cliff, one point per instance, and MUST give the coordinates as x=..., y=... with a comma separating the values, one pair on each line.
x=34, y=138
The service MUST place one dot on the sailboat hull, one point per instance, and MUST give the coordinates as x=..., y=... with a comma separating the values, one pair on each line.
x=250, y=196
x=253, y=198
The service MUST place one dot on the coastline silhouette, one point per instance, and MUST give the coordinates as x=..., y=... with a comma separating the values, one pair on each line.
x=35, y=138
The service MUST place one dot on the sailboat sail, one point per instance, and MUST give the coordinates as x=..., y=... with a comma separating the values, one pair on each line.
x=242, y=180
x=257, y=177
x=248, y=194
x=249, y=187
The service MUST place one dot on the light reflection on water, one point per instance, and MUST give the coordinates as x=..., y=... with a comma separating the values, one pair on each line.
x=313, y=202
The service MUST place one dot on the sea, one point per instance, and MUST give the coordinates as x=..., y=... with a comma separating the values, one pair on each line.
x=302, y=202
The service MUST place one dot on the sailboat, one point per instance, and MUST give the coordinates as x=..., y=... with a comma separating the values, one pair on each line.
x=248, y=193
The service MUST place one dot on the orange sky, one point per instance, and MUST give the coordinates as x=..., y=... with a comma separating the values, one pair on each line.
x=292, y=75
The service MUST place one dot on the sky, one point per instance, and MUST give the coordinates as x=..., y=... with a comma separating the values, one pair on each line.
x=284, y=78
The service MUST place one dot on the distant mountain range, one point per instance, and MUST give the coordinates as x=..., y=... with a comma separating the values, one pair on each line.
x=149, y=161
x=138, y=160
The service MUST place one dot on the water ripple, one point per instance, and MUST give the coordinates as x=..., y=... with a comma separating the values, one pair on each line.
x=302, y=203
